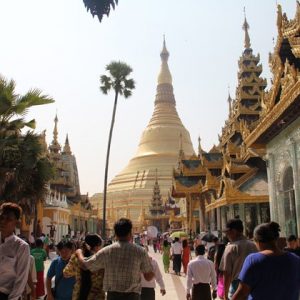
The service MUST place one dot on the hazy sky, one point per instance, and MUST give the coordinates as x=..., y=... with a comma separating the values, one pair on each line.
x=55, y=45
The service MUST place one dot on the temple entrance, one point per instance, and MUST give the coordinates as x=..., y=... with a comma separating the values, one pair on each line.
x=288, y=196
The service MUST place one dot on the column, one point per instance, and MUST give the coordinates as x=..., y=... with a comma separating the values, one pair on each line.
x=231, y=211
x=223, y=217
x=258, y=214
x=242, y=213
x=219, y=223
x=294, y=162
x=272, y=187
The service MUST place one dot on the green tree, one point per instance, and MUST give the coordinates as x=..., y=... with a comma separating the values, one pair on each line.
x=121, y=85
x=24, y=168
x=100, y=7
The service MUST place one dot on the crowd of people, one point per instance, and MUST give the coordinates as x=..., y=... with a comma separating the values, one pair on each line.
x=123, y=269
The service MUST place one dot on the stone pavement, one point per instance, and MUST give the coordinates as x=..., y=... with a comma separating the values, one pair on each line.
x=175, y=285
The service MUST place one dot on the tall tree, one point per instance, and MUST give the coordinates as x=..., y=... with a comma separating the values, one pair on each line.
x=100, y=7
x=24, y=170
x=121, y=85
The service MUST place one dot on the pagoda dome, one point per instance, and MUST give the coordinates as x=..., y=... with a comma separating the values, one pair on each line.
x=158, y=149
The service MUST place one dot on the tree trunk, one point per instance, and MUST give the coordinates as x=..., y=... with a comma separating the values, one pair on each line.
x=107, y=163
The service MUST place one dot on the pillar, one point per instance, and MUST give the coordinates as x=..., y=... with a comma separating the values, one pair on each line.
x=219, y=222
x=242, y=213
x=258, y=214
x=272, y=188
x=294, y=163
x=231, y=211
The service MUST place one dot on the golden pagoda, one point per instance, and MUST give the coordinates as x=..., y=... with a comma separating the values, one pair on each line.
x=158, y=149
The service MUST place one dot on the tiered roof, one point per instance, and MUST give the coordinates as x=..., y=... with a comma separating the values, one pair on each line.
x=281, y=104
x=226, y=172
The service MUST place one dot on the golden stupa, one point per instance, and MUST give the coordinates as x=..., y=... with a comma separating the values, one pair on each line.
x=130, y=192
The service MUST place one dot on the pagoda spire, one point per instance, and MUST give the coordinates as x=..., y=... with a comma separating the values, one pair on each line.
x=156, y=207
x=55, y=146
x=55, y=131
x=67, y=148
x=229, y=100
x=199, y=147
x=247, y=43
x=165, y=74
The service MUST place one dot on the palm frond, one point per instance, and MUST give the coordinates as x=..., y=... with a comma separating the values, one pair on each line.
x=100, y=8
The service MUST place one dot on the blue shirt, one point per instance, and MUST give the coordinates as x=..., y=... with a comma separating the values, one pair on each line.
x=63, y=286
x=272, y=277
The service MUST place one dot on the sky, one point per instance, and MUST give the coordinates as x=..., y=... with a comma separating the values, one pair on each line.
x=56, y=46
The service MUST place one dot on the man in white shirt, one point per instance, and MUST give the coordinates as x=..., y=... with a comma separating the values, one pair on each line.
x=14, y=254
x=148, y=287
x=176, y=250
x=200, y=274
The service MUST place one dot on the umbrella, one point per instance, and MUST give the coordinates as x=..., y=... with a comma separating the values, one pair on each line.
x=178, y=234
x=208, y=237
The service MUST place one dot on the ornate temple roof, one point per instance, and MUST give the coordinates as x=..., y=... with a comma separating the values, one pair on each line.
x=221, y=175
x=281, y=103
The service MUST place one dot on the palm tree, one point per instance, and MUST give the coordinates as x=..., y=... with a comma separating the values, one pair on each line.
x=117, y=81
x=100, y=7
x=24, y=170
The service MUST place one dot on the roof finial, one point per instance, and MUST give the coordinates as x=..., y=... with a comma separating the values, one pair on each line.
x=55, y=131
x=199, y=146
x=67, y=148
x=229, y=101
x=247, y=43
x=164, y=75
x=164, y=53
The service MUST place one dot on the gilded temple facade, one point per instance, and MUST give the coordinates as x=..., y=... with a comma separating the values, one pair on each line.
x=278, y=132
x=230, y=180
x=130, y=192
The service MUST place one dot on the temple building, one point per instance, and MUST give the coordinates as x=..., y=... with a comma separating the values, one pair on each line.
x=278, y=130
x=64, y=210
x=230, y=180
x=130, y=192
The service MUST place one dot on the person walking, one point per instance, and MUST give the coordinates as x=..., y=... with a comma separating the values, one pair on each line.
x=200, y=275
x=88, y=286
x=166, y=255
x=271, y=273
x=186, y=255
x=123, y=262
x=234, y=255
x=40, y=256
x=176, y=250
x=63, y=286
x=14, y=254
x=292, y=245
x=148, y=287
x=30, y=290
x=217, y=260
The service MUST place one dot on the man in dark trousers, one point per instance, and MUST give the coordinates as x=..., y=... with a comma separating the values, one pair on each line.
x=200, y=274
x=123, y=262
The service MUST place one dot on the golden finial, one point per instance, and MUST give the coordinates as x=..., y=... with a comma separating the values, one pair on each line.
x=199, y=146
x=55, y=131
x=164, y=75
x=67, y=148
x=247, y=43
x=229, y=99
